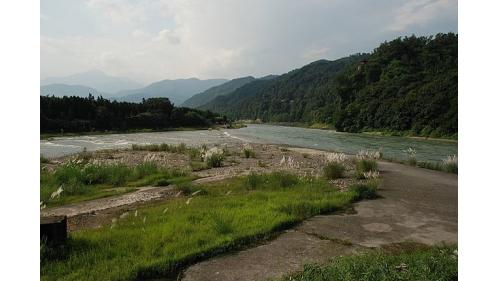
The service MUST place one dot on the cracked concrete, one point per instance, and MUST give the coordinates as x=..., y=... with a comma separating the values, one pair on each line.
x=416, y=205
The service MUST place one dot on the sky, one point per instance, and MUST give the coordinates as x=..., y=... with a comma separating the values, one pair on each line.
x=151, y=40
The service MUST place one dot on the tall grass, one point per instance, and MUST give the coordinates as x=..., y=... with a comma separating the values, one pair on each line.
x=44, y=160
x=450, y=164
x=411, y=155
x=214, y=157
x=173, y=148
x=180, y=231
x=333, y=170
x=88, y=181
x=248, y=151
x=365, y=165
x=436, y=263
x=366, y=190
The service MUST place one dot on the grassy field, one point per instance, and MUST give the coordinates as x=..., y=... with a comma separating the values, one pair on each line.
x=156, y=241
x=80, y=181
x=436, y=263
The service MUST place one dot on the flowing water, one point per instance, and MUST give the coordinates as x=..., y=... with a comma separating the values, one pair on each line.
x=393, y=147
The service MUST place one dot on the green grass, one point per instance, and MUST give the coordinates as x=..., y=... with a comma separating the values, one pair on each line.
x=85, y=181
x=436, y=263
x=161, y=239
x=366, y=190
x=333, y=170
x=214, y=160
x=365, y=165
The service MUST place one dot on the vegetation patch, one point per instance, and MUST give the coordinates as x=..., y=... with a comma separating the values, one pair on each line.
x=333, y=170
x=436, y=263
x=173, y=148
x=364, y=166
x=366, y=190
x=156, y=241
x=248, y=152
x=78, y=181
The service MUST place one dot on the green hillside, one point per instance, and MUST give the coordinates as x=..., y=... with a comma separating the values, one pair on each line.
x=408, y=84
x=220, y=90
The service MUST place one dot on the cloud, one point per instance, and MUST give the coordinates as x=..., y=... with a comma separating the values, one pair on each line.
x=421, y=12
x=167, y=35
x=150, y=40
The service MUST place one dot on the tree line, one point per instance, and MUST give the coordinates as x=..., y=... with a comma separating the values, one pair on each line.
x=87, y=114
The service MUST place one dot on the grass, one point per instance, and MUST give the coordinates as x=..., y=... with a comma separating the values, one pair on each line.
x=214, y=157
x=85, y=181
x=365, y=165
x=44, y=160
x=333, y=170
x=248, y=152
x=435, y=263
x=366, y=190
x=173, y=148
x=163, y=238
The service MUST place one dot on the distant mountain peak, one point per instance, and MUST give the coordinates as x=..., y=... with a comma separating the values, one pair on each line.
x=96, y=79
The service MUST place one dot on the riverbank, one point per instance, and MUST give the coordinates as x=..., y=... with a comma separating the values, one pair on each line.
x=250, y=196
x=324, y=126
x=48, y=136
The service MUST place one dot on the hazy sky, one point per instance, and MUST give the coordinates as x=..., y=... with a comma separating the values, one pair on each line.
x=149, y=40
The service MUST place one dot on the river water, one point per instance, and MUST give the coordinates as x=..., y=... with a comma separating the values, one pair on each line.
x=427, y=150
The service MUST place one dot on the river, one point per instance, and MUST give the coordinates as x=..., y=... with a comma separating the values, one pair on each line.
x=393, y=147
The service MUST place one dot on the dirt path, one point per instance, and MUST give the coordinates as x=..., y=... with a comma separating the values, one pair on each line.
x=417, y=205
x=94, y=213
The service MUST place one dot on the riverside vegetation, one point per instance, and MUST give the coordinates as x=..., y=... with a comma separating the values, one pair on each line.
x=434, y=263
x=157, y=240
x=206, y=219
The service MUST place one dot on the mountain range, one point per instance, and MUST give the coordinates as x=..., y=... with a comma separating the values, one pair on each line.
x=176, y=90
x=95, y=79
x=407, y=84
x=98, y=83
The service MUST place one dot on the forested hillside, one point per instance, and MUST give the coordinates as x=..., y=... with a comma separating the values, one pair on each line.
x=408, y=84
x=220, y=90
x=78, y=114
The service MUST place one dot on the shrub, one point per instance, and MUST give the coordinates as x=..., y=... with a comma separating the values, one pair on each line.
x=365, y=190
x=333, y=170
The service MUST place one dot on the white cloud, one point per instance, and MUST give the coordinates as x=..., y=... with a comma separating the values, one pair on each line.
x=421, y=12
x=150, y=40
